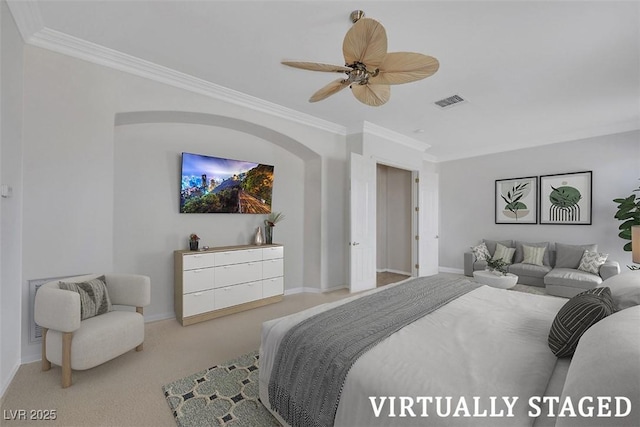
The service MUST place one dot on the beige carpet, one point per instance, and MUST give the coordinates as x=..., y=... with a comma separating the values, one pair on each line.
x=127, y=391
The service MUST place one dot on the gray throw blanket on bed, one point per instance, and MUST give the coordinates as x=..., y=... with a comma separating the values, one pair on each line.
x=315, y=355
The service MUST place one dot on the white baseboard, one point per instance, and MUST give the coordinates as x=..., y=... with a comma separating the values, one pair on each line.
x=160, y=316
x=450, y=270
x=12, y=374
x=391, y=270
x=304, y=289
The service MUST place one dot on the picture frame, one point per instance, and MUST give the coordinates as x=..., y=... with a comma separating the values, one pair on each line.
x=566, y=198
x=516, y=200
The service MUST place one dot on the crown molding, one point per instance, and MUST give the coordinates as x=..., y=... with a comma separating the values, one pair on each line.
x=27, y=15
x=394, y=136
x=69, y=45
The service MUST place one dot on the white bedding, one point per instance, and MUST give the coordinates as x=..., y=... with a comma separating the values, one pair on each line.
x=489, y=342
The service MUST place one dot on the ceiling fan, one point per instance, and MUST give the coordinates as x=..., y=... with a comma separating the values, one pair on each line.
x=369, y=68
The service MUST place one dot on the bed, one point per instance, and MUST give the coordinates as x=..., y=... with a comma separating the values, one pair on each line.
x=475, y=360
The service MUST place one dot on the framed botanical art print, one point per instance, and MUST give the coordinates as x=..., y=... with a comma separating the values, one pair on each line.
x=566, y=198
x=516, y=200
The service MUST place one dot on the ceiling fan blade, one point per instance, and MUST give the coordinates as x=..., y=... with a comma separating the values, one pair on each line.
x=328, y=90
x=366, y=42
x=405, y=67
x=316, y=66
x=374, y=95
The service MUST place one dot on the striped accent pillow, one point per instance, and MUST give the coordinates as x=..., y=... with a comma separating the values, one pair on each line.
x=576, y=316
x=94, y=299
x=504, y=253
x=533, y=254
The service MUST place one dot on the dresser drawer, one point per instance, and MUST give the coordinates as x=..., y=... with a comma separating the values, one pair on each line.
x=237, y=294
x=197, y=303
x=238, y=273
x=272, y=287
x=272, y=268
x=238, y=257
x=272, y=253
x=198, y=260
x=197, y=280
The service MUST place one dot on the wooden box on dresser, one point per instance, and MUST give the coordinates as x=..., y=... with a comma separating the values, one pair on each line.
x=225, y=280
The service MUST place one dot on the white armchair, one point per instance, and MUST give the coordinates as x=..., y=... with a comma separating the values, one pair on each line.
x=75, y=344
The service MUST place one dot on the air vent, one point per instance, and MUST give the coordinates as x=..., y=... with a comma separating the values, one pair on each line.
x=450, y=101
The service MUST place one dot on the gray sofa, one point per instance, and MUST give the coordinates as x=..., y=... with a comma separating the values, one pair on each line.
x=559, y=273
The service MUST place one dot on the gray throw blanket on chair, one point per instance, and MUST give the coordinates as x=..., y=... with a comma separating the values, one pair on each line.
x=315, y=355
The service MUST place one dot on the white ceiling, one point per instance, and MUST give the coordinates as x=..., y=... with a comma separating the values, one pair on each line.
x=533, y=72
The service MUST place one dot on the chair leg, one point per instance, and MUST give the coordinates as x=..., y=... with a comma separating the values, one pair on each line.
x=66, y=359
x=46, y=365
x=141, y=311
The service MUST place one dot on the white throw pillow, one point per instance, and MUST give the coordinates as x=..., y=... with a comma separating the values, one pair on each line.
x=592, y=261
x=625, y=289
x=481, y=252
x=533, y=255
x=504, y=253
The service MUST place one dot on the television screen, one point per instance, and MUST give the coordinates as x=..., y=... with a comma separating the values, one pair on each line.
x=217, y=185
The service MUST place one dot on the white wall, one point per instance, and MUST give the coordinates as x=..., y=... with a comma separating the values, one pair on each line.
x=81, y=120
x=11, y=209
x=467, y=194
x=147, y=222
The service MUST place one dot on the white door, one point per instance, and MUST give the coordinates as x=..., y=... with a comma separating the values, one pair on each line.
x=362, y=246
x=428, y=224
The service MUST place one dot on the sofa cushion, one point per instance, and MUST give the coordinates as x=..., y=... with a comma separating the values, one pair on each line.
x=94, y=298
x=569, y=256
x=572, y=277
x=481, y=252
x=592, y=261
x=575, y=317
x=625, y=289
x=529, y=270
x=519, y=257
x=491, y=244
x=504, y=253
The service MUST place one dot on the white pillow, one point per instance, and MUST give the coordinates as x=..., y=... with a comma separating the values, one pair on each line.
x=481, y=252
x=625, y=289
x=504, y=252
x=592, y=261
x=606, y=364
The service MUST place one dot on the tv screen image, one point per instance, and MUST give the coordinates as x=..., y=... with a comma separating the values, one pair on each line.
x=217, y=185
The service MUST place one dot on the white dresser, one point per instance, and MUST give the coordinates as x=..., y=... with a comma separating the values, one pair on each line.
x=225, y=280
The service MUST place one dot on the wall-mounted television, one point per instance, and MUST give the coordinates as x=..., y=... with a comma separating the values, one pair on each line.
x=218, y=185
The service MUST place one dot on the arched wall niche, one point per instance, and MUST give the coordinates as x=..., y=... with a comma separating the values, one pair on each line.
x=307, y=218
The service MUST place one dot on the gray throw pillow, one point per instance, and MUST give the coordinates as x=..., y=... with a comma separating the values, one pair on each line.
x=520, y=252
x=569, y=256
x=576, y=316
x=94, y=298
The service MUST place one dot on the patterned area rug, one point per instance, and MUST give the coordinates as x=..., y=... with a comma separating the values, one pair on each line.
x=224, y=395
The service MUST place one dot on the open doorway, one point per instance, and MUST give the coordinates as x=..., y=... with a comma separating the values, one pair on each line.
x=394, y=212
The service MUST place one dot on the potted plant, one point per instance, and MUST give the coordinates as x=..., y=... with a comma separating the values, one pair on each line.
x=193, y=242
x=629, y=213
x=269, y=223
x=498, y=266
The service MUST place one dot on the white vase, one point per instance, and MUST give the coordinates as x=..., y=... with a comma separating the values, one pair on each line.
x=259, y=238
